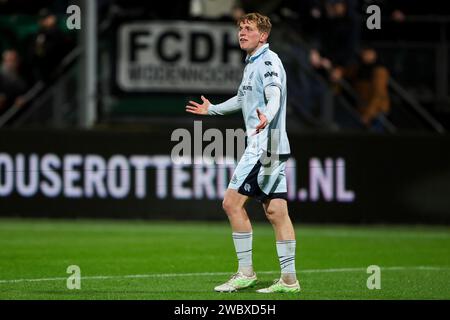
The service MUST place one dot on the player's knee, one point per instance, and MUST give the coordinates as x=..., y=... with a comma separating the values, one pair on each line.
x=271, y=215
x=229, y=206
x=275, y=212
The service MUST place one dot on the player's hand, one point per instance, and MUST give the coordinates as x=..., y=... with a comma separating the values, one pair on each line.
x=262, y=122
x=197, y=108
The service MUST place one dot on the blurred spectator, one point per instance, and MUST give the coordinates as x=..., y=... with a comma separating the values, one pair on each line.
x=213, y=9
x=401, y=9
x=403, y=19
x=27, y=7
x=320, y=64
x=8, y=38
x=309, y=86
x=266, y=7
x=237, y=11
x=12, y=86
x=173, y=9
x=48, y=46
x=369, y=78
x=314, y=90
x=340, y=32
x=305, y=16
x=23, y=6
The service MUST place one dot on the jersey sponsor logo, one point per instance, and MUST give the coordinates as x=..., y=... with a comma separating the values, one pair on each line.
x=249, y=88
x=267, y=63
x=270, y=74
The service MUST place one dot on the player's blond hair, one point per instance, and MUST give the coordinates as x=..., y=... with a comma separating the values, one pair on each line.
x=262, y=22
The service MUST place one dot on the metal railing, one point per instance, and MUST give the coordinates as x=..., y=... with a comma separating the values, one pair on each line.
x=416, y=106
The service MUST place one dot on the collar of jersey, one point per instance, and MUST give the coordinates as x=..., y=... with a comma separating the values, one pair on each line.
x=257, y=54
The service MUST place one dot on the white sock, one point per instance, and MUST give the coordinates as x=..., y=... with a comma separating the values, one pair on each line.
x=243, y=245
x=286, y=255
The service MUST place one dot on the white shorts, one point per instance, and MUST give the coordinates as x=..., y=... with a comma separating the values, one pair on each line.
x=260, y=176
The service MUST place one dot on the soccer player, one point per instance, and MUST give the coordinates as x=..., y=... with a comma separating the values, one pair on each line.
x=260, y=173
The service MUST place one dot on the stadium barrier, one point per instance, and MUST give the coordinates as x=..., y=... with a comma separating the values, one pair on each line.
x=335, y=178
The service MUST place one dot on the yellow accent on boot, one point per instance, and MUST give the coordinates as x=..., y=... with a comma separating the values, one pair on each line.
x=279, y=286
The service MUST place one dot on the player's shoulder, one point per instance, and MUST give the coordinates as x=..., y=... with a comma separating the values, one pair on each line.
x=270, y=58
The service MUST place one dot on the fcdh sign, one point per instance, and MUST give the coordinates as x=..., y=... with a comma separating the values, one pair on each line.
x=178, y=56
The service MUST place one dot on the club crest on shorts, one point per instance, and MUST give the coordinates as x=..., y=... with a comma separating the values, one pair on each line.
x=247, y=187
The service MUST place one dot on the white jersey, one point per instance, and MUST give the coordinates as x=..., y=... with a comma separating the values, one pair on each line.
x=264, y=68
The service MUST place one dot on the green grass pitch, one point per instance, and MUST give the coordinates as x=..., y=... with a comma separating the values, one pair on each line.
x=184, y=260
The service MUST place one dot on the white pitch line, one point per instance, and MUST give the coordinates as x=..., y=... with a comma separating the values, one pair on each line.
x=199, y=274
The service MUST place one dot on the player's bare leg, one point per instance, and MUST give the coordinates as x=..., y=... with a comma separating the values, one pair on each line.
x=233, y=205
x=277, y=213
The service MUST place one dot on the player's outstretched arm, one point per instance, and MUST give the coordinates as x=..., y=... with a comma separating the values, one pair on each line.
x=227, y=107
x=197, y=108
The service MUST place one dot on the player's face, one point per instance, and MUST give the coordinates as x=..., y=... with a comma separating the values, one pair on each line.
x=250, y=38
